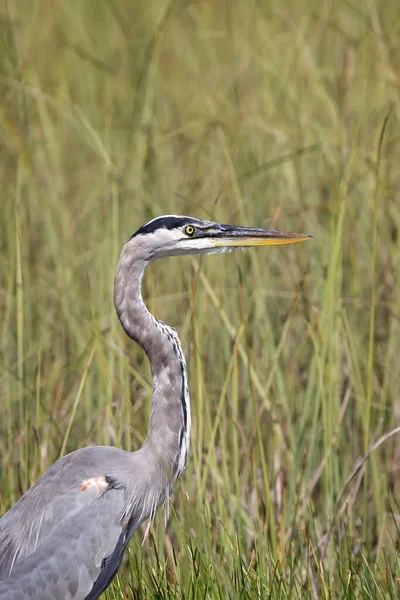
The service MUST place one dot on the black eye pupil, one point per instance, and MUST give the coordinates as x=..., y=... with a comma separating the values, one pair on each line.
x=189, y=230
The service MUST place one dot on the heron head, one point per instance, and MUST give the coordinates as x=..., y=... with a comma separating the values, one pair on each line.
x=175, y=235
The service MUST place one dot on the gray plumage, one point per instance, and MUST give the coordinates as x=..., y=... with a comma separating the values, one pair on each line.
x=64, y=539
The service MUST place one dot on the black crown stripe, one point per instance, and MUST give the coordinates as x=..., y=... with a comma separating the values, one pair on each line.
x=164, y=223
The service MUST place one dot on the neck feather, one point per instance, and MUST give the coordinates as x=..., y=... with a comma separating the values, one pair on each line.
x=169, y=434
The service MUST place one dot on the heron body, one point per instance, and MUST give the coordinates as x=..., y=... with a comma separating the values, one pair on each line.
x=64, y=539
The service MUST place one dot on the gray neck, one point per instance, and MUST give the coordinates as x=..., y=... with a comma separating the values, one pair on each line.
x=169, y=434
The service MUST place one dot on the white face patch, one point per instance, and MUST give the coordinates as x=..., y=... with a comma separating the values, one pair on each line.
x=99, y=483
x=171, y=242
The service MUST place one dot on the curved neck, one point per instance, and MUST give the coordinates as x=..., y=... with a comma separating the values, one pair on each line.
x=169, y=434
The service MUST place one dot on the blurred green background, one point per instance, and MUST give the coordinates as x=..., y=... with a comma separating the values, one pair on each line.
x=264, y=113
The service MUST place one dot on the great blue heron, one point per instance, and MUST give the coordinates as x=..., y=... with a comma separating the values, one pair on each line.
x=64, y=539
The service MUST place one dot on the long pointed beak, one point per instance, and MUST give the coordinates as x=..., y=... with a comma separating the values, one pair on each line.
x=234, y=236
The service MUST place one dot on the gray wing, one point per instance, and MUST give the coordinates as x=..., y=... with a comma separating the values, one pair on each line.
x=64, y=538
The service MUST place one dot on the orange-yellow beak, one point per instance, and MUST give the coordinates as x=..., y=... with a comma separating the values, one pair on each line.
x=234, y=236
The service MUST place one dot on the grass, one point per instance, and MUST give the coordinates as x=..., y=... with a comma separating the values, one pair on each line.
x=258, y=113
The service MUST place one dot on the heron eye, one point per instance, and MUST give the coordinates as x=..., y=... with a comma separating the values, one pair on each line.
x=189, y=230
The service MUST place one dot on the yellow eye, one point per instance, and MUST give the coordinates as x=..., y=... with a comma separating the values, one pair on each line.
x=189, y=230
